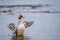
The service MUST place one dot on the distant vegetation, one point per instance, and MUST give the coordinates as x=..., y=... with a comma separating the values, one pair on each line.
x=33, y=6
x=10, y=11
x=45, y=12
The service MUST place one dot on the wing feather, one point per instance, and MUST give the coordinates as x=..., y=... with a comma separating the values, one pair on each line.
x=28, y=24
x=12, y=27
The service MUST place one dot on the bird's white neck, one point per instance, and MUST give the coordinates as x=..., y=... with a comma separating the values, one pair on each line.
x=19, y=21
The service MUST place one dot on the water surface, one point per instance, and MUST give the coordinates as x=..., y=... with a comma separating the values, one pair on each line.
x=46, y=25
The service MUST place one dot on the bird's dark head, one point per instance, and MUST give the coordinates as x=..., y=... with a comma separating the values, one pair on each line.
x=20, y=17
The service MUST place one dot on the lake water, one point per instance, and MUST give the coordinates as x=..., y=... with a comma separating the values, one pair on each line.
x=46, y=26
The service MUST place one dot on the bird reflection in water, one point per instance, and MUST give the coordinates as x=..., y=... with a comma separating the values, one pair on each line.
x=14, y=37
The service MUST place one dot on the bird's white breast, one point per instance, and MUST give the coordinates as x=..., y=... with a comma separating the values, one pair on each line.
x=21, y=29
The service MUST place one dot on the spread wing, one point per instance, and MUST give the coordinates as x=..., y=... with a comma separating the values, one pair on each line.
x=12, y=27
x=28, y=24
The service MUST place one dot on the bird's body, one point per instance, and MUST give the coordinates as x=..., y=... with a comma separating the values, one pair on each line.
x=21, y=29
x=21, y=26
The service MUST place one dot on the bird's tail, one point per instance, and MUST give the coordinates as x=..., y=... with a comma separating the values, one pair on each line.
x=12, y=27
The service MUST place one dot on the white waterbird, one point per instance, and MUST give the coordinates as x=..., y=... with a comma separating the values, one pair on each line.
x=21, y=26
